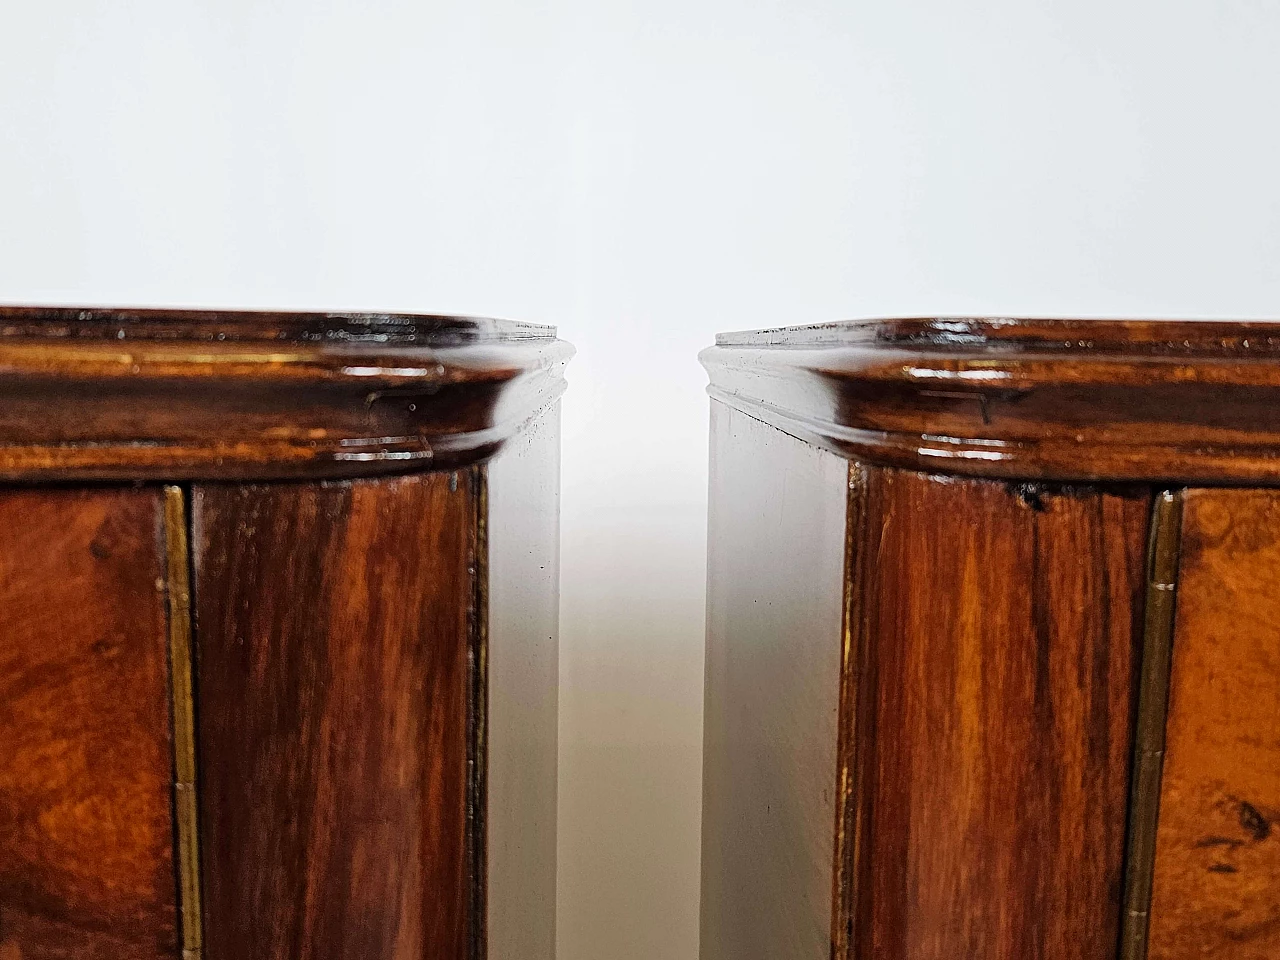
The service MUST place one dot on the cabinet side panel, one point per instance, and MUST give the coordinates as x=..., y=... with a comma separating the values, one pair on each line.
x=332, y=634
x=776, y=536
x=86, y=834
x=1217, y=869
x=523, y=670
x=1005, y=627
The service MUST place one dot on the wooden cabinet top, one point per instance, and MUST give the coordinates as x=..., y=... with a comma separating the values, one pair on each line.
x=1066, y=400
x=183, y=394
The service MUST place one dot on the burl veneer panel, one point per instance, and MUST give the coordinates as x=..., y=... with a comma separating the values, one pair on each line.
x=774, y=605
x=86, y=783
x=1001, y=633
x=332, y=630
x=1217, y=870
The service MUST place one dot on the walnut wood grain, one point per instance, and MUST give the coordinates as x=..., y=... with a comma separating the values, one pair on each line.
x=775, y=588
x=86, y=861
x=334, y=631
x=1155, y=402
x=1217, y=868
x=91, y=394
x=1000, y=629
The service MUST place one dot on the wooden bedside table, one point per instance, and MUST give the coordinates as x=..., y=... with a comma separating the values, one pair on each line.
x=278, y=662
x=993, y=642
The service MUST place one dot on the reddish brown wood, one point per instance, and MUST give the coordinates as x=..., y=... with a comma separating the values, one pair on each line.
x=1217, y=868
x=334, y=629
x=86, y=866
x=1021, y=399
x=1001, y=629
x=172, y=394
x=992, y=657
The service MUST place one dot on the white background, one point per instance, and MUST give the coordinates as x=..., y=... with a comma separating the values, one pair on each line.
x=642, y=174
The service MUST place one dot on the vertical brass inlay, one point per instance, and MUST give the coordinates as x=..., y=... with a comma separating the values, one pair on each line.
x=849, y=753
x=178, y=555
x=478, y=716
x=1153, y=703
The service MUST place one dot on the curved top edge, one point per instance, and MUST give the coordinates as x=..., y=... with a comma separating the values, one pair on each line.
x=246, y=326
x=176, y=395
x=1152, y=401
x=1028, y=334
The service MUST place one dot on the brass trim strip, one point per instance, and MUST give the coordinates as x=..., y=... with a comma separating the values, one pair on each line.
x=178, y=555
x=1153, y=703
x=849, y=751
x=478, y=717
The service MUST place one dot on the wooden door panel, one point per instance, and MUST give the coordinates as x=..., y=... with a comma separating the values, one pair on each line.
x=333, y=632
x=1000, y=627
x=86, y=835
x=1217, y=870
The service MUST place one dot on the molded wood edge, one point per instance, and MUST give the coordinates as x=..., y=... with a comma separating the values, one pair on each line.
x=195, y=395
x=1096, y=400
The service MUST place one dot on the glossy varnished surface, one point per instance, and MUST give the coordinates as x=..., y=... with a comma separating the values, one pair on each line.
x=333, y=633
x=86, y=862
x=172, y=394
x=774, y=605
x=1217, y=868
x=1000, y=628
x=522, y=666
x=1052, y=399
